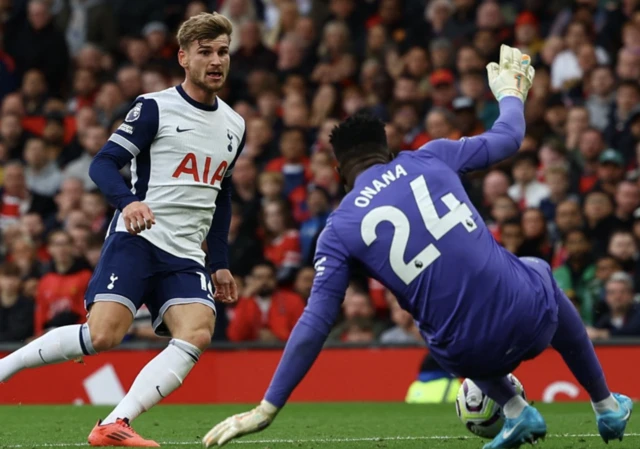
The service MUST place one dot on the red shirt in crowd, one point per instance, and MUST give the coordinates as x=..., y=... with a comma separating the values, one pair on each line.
x=60, y=293
x=249, y=318
x=285, y=249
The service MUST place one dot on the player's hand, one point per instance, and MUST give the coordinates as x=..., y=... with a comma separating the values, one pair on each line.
x=242, y=424
x=138, y=217
x=225, y=284
x=513, y=76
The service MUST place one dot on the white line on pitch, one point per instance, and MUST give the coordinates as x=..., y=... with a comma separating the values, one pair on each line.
x=314, y=440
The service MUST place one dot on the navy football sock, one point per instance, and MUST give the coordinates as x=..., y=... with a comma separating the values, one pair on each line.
x=572, y=342
x=499, y=389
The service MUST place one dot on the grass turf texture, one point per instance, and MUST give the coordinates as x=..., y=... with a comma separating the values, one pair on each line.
x=319, y=426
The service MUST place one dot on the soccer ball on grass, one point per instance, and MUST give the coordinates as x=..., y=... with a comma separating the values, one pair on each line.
x=480, y=414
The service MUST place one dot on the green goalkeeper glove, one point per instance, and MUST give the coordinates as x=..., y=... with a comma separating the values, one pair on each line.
x=513, y=77
x=242, y=424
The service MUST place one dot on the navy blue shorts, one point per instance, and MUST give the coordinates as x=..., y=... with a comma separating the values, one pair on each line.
x=528, y=343
x=134, y=272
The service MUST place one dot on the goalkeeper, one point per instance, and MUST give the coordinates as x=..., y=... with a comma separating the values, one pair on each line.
x=481, y=309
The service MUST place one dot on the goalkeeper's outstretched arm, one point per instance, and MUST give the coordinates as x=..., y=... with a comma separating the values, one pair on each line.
x=510, y=83
x=304, y=344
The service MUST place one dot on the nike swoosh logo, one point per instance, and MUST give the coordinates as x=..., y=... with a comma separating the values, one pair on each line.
x=158, y=390
x=627, y=416
x=183, y=130
x=508, y=433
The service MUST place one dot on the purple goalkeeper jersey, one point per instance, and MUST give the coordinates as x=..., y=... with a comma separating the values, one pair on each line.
x=411, y=224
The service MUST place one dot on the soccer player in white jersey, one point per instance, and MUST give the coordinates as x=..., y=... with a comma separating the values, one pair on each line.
x=182, y=144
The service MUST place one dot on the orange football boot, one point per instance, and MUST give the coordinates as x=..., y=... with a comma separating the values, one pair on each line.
x=118, y=433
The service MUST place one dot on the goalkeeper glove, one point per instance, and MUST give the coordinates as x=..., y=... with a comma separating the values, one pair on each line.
x=513, y=77
x=242, y=424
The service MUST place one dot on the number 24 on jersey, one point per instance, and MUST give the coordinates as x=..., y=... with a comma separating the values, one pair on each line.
x=459, y=213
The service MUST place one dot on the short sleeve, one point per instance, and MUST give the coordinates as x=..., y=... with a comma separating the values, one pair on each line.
x=139, y=128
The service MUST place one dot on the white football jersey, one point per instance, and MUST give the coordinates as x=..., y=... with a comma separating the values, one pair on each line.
x=182, y=151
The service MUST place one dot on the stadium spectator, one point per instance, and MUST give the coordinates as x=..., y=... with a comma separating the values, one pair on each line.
x=624, y=248
x=526, y=190
x=12, y=135
x=627, y=97
x=60, y=295
x=601, y=96
x=95, y=137
x=16, y=310
x=536, y=235
x=605, y=267
x=93, y=250
x=37, y=44
x=293, y=163
x=95, y=209
x=590, y=147
x=17, y=200
x=599, y=220
x=67, y=200
x=250, y=53
x=33, y=227
x=264, y=312
x=466, y=119
x=359, y=324
x=557, y=178
x=87, y=22
x=42, y=174
x=318, y=207
x=304, y=282
x=494, y=185
x=22, y=252
x=623, y=318
x=281, y=239
x=610, y=171
x=244, y=247
x=578, y=273
x=627, y=200
x=405, y=329
x=566, y=68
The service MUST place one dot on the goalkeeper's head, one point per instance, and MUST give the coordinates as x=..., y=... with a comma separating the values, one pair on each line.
x=358, y=143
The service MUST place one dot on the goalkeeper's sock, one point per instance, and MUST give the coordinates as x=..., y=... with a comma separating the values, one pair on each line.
x=58, y=345
x=607, y=404
x=572, y=342
x=157, y=380
x=499, y=389
x=514, y=407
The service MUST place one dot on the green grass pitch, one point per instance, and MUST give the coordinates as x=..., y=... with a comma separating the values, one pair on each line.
x=312, y=426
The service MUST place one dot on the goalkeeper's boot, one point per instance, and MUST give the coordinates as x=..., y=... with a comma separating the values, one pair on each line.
x=118, y=433
x=611, y=424
x=526, y=428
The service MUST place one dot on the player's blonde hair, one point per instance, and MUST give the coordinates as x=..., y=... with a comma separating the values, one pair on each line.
x=203, y=26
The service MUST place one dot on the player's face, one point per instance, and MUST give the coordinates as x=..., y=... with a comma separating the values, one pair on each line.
x=10, y=284
x=206, y=63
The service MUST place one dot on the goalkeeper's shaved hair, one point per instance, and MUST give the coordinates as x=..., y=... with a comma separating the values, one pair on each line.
x=358, y=143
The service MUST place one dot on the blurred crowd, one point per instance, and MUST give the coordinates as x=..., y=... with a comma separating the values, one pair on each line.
x=70, y=69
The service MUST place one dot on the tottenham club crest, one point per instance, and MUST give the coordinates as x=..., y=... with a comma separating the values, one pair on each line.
x=230, y=137
x=134, y=113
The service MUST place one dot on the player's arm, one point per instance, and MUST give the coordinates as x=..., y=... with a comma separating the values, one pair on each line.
x=218, y=238
x=132, y=138
x=510, y=83
x=304, y=344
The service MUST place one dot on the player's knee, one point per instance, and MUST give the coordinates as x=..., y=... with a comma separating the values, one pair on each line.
x=104, y=340
x=200, y=338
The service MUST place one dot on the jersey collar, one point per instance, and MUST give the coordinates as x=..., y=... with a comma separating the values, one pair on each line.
x=194, y=103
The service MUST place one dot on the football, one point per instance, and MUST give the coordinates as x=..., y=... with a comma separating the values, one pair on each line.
x=480, y=414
